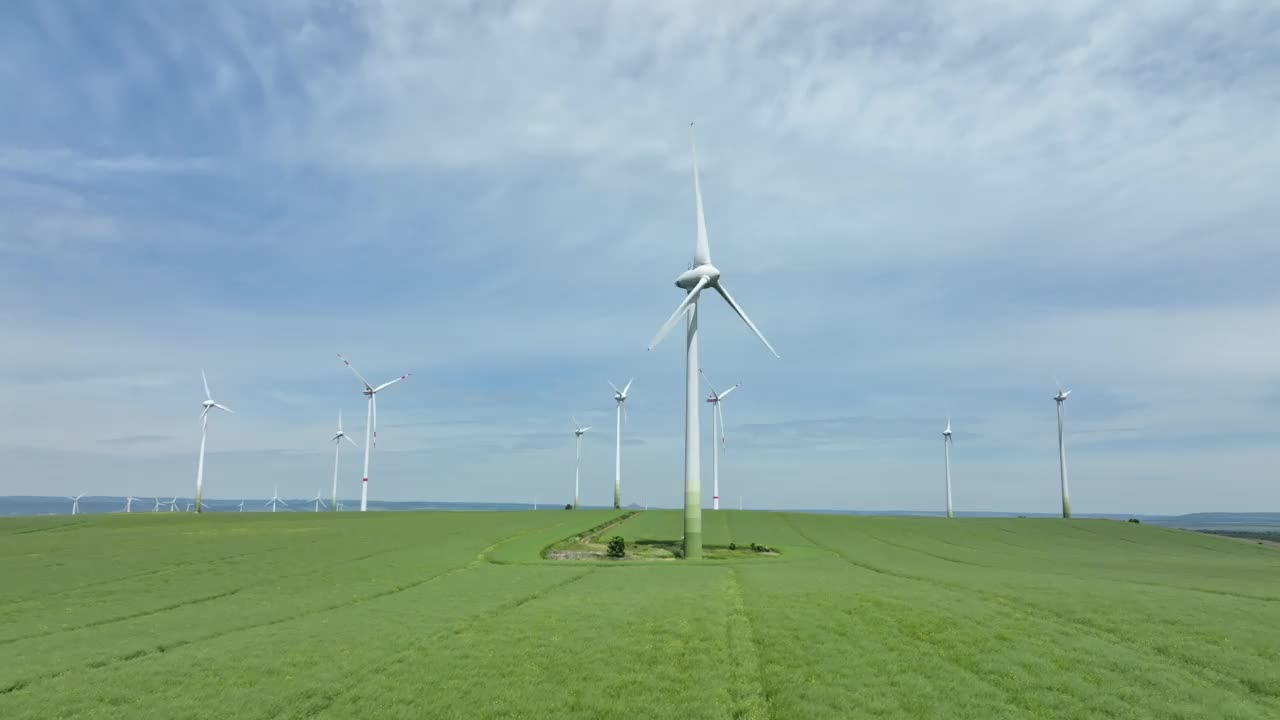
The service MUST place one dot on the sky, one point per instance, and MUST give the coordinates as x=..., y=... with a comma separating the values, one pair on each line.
x=929, y=208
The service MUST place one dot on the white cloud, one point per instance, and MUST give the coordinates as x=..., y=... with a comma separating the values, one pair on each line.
x=926, y=208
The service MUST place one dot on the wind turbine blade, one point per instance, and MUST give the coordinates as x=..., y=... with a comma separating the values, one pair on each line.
x=720, y=413
x=724, y=293
x=710, y=384
x=680, y=311
x=207, y=395
x=373, y=405
x=701, y=248
x=392, y=382
x=586, y=428
x=627, y=388
x=339, y=420
x=576, y=426
x=357, y=372
x=725, y=394
x=616, y=391
x=224, y=407
x=353, y=442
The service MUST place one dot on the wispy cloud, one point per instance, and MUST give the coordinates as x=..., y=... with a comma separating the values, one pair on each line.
x=929, y=208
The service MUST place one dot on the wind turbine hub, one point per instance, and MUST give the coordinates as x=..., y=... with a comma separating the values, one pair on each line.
x=207, y=404
x=689, y=278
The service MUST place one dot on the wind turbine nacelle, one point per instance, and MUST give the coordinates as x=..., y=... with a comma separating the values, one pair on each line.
x=207, y=404
x=689, y=278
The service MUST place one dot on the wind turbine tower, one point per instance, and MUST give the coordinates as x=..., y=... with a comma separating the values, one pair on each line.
x=578, y=432
x=619, y=396
x=338, y=437
x=207, y=405
x=370, y=426
x=1061, y=398
x=700, y=275
x=946, y=450
x=717, y=419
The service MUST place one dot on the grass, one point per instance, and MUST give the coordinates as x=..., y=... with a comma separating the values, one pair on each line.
x=407, y=615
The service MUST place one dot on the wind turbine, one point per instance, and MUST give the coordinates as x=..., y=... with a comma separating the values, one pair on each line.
x=620, y=396
x=241, y=506
x=338, y=437
x=717, y=416
x=946, y=450
x=370, y=426
x=207, y=405
x=578, y=431
x=75, y=503
x=317, y=501
x=275, y=500
x=1060, y=398
x=173, y=505
x=701, y=274
x=157, y=507
x=128, y=503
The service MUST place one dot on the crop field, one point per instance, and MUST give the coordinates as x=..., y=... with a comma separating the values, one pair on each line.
x=441, y=615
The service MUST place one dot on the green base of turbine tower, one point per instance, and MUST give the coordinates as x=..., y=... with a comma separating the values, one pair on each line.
x=1066, y=509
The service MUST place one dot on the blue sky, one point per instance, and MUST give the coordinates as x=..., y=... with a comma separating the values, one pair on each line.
x=928, y=208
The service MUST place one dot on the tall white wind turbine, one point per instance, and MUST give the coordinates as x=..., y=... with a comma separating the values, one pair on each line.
x=318, y=501
x=578, y=432
x=620, y=397
x=717, y=418
x=338, y=437
x=128, y=503
x=75, y=503
x=206, y=406
x=1060, y=398
x=701, y=275
x=275, y=500
x=370, y=426
x=946, y=451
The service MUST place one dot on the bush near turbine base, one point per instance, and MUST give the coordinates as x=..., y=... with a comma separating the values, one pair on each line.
x=617, y=547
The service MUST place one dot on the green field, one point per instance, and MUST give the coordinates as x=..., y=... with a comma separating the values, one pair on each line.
x=438, y=615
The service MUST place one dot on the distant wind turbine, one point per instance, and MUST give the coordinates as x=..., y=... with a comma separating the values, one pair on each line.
x=717, y=417
x=275, y=500
x=619, y=396
x=173, y=505
x=241, y=506
x=338, y=437
x=946, y=451
x=578, y=431
x=1060, y=398
x=702, y=274
x=318, y=501
x=157, y=507
x=207, y=405
x=75, y=503
x=128, y=503
x=370, y=426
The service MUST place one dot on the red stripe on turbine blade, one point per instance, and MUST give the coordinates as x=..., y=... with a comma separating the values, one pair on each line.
x=365, y=480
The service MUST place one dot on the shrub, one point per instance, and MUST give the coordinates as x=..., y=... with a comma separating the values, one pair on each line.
x=1134, y=520
x=755, y=547
x=760, y=548
x=568, y=506
x=617, y=547
x=733, y=546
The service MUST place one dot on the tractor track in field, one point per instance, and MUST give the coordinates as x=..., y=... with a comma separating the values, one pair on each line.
x=753, y=698
x=177, y=644
x=1041, y=613
x=419, y=645
x=181, y=604
x=130, y=616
